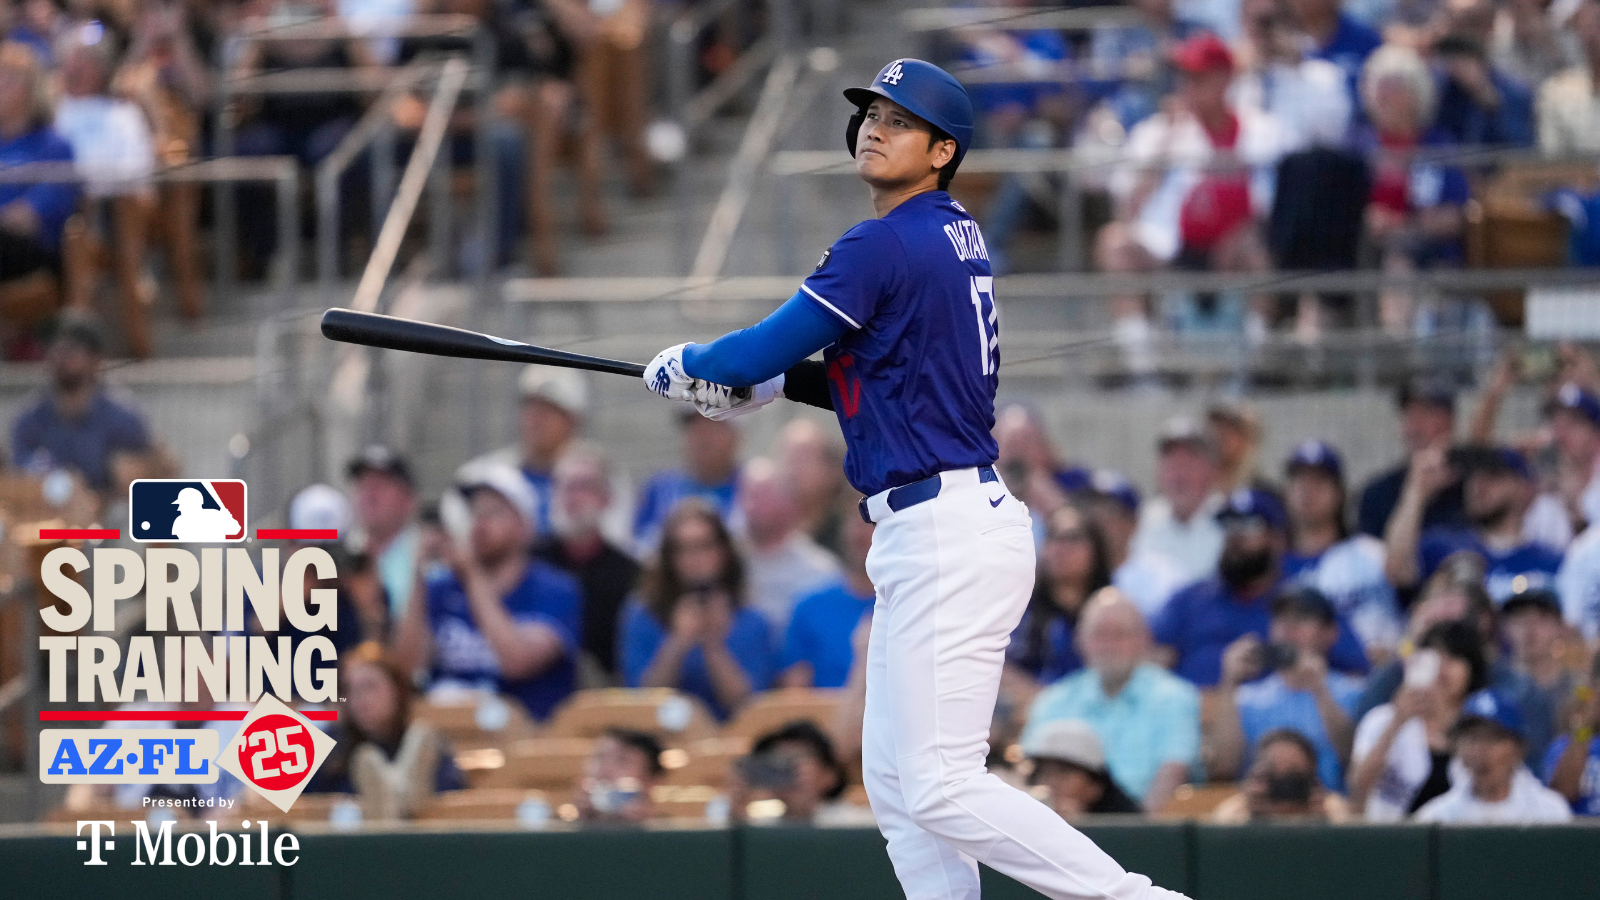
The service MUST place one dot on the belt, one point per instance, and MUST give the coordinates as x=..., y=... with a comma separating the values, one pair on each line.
x=909, y=495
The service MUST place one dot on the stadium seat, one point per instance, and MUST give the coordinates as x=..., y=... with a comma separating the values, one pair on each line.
x=675, y=718
x=490, y=804
x=773, y=709
x=475, y=721
x=703, y=762
x=549, y=763
x=1197, y=801
x=679, y=801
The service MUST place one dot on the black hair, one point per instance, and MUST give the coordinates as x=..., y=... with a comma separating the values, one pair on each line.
x=642, y=741
x=1288, y=736
x=1305, y=601
x=1462, y=641
x=1042, y=611
x=948, y=171
x=805, y=731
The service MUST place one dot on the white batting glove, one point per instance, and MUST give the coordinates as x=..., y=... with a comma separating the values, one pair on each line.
x=719, y=402
x=665, y=375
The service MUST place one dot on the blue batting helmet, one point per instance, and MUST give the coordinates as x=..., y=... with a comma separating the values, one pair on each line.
x=926, y=91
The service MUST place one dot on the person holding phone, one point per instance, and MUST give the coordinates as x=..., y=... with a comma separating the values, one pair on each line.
x=1572, y=766
x=1402, y=754
x=690, y=629
x=1282, y=785
x=1299, y=692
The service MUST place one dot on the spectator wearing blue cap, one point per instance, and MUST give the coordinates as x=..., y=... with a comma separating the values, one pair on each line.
x=1299, y=691
x=1574, y=415
x=1572, y=767
x=1499, y=489
x=1498, y=788
x=1112, y=504
x=1323, y=554
x=1201, y=620
x=1427, y=421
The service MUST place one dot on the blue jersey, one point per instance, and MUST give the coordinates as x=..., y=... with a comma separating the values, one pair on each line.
x=914, y=376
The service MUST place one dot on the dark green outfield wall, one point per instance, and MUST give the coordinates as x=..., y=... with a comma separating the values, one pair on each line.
x=1207, y=862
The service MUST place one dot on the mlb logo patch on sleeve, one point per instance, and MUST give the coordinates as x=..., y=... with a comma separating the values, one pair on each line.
x=188, y=511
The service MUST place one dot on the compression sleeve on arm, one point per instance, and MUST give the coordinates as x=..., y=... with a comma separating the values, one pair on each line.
x=766, y=349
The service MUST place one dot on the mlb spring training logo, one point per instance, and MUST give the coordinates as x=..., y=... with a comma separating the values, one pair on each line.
x=213, y=616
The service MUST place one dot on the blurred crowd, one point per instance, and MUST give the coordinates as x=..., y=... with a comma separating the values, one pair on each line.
x=1250, y=135
x=1262, y=632
x=124, y=88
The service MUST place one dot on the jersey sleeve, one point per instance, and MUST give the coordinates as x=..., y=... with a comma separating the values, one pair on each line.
x=857, y=273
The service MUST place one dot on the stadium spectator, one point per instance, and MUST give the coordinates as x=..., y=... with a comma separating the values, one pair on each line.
x=1532, y=632
x=1073, y=566
x=1147, y=719
x=1416, y=213
x=83, y=425
x=1195, y=181
x=1574, y=416
x=812, y=460
x=1112, y=504
x=1179, y=527
x=32, y=216
x=1346, y=568
x=1572, y=766
x=1030, y=463
x=1498, y=788
x=1069, y=764
x=393, y=763
x=1578, y=584
x=794, y=765
x=1427, y=420
x=1309, y=97
x=1569, y=118
x=496, y=619
x=1235, y=432
x=550, y=415
x=384, y=495
x=363, y=613
x=1498, y=491
x=1282, y=785
x=1131, y=65
x=1402, y=753
x=1478, y=104
x=1525, y=38
x=1299, y=693
x=305, y=126
x=582, y=495
x=783, y=563
x=710, y=452
x=1575, y=439
x=619, y=776
x=35, y=25
x=818, y=648
x=1456, y=594
x=1201, y=620
x=114, y=150
x=691, y=628
x=1333, y=35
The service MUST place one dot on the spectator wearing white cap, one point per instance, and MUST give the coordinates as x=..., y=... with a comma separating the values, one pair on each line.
x=1179, y=526
x=1069, y=769
x=384, y=495
x=363, y=615
x=497, y=619
x=1323, y=554
x=553, y=404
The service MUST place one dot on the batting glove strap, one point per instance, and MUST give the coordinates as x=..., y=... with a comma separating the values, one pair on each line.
x=666, y=377
x=720, y=402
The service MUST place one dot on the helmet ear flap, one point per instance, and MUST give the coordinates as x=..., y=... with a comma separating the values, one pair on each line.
x=852, y=128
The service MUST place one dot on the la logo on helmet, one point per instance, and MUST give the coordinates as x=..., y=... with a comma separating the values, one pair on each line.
x=894, y=74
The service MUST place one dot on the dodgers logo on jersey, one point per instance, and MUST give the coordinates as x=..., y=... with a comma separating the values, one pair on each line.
x=894, y=74
x=172, y=509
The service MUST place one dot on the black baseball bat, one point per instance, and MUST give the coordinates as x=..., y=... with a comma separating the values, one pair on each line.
x=390, y=333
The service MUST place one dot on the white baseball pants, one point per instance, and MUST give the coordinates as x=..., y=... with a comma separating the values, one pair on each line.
x=953, y=576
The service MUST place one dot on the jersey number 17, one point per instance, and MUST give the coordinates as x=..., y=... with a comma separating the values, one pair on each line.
x=988, y=315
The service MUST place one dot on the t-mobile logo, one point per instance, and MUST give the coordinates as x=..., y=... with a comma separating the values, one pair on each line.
x=94, y=844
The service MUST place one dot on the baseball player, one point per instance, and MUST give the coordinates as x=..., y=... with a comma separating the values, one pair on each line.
x=903, y=307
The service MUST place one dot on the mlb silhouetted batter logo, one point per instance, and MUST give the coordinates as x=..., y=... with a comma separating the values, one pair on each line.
x=202, y=512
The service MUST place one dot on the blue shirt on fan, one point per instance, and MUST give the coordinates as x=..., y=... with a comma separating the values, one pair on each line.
x=1536, y=564
x=914, y=375
x=820, y=631
x=462, y=654
x=642, y=634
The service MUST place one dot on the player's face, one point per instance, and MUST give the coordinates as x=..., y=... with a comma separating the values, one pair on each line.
x=892, y=147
